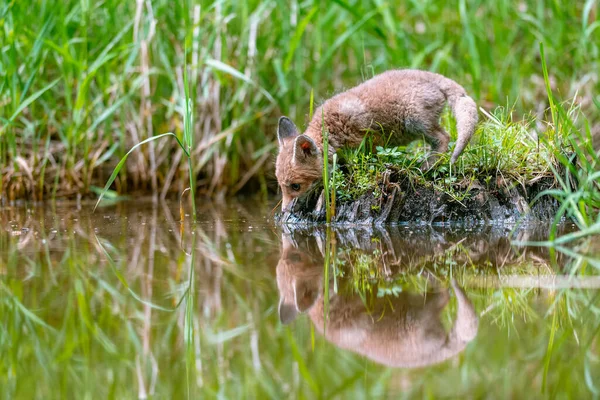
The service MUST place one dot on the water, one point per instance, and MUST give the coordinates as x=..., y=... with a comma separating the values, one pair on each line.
x=106, y=305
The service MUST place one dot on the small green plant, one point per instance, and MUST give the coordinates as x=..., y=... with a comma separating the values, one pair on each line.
x=359, y=174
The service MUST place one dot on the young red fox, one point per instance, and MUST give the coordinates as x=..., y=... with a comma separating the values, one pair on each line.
x=403, y=330
x=404, y=104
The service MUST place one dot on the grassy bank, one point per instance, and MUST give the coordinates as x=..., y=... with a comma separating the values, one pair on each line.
x=83, y=81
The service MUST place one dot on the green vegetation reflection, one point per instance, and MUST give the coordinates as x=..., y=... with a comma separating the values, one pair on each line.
x=147, y=324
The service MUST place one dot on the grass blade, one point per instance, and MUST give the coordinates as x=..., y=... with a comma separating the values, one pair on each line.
x=33, y=98
x=117, y=169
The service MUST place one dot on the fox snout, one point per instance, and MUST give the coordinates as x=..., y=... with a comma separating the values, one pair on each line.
x=285, y=203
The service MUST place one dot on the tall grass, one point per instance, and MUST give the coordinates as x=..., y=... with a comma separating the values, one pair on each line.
x=187, y=146
x=580, y=186
x=578, y=190
x=98, y=78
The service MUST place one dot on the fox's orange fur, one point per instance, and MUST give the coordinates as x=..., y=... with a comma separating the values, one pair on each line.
x=402, y=331
x=404, y=104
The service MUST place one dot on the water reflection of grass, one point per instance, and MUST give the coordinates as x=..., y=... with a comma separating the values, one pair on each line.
x=505, y=286
x=69, y=325
x=565, y=318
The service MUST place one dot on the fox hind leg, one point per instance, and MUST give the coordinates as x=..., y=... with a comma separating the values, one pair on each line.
x=438, y=138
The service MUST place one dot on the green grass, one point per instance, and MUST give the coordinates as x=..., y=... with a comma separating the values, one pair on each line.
x=94, y=79
x=579, y=191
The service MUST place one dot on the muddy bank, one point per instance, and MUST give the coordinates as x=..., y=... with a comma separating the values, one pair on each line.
x=403, y=201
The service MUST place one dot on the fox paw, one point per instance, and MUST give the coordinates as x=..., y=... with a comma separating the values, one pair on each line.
x=430, y=162
x=427, y=165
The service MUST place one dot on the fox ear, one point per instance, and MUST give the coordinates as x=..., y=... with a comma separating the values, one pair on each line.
x=305, y=295
x=286, y=129
x=305, y=149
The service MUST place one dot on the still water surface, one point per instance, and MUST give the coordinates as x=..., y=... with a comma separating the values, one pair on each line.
x=128, y=302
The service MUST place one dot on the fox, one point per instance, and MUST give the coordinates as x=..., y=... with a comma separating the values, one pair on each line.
x=403, y=331
x=404, y=104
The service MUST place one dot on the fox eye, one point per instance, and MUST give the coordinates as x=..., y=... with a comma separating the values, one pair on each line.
x=295, y=186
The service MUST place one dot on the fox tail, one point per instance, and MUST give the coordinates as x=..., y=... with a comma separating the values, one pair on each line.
x=465, y=111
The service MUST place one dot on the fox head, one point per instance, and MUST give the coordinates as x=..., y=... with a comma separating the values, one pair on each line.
x=299, y=281
x=299, y=162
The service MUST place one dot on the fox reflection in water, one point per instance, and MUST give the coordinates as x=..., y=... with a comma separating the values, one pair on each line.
x=399, y=331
